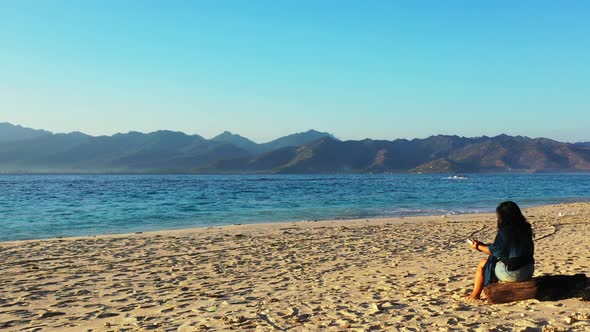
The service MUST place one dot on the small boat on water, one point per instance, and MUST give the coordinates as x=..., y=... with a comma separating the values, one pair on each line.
x=459, y=177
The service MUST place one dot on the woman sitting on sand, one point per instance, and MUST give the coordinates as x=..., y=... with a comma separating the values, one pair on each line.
x=511, y=255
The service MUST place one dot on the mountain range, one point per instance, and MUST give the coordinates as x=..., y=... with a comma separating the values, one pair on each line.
x=25, y=150
x=11, y=133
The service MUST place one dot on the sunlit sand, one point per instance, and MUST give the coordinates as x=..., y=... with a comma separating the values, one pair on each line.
x=386, y=274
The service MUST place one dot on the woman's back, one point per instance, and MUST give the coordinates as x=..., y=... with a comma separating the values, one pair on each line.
x=513, y=241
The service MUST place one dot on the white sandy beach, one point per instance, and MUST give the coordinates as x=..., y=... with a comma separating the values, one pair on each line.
x=402, y=274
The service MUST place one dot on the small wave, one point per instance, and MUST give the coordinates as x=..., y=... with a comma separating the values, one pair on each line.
x=457, y=177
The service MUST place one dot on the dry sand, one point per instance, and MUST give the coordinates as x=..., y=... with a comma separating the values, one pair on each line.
x=386, y=274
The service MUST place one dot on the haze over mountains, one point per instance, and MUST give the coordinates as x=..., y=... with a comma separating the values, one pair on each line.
x=24, y=150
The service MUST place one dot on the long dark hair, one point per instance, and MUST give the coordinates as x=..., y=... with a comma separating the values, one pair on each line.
x=509, y=214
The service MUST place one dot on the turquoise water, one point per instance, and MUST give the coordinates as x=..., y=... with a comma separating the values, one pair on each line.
x=44, y=206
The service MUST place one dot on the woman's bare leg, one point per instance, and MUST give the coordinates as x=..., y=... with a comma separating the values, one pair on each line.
x=478, y=283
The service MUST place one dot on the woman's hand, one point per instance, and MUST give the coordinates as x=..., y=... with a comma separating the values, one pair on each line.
x=480, y=246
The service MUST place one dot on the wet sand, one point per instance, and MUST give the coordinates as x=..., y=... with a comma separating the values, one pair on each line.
x=405, y=274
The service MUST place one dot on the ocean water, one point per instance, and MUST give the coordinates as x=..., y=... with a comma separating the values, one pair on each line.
x=45, y=206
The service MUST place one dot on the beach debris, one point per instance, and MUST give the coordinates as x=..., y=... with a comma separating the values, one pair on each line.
x=576, y=317
x=375, y=308
x=570, y=320
x=581, y=315
x=548, y=328
x=211, y=308
x=229, y=320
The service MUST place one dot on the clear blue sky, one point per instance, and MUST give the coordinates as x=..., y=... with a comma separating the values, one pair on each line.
x=263, y=69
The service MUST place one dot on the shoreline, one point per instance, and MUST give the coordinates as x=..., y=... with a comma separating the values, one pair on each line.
x=385, y=274
x=271, y=224
x=260, y=226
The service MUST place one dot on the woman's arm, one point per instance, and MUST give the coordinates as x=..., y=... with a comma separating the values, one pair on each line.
x=479, y=246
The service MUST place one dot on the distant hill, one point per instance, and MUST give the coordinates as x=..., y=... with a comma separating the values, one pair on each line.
x=505, y=153
x=237, y=140
x=309, y=152
x=294, y=140
x=12, y=133
x=435, y=154
x=161, y=151
x=283, y=142
x=330, y=155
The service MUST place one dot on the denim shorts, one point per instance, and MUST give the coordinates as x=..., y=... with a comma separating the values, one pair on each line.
x=521, y=274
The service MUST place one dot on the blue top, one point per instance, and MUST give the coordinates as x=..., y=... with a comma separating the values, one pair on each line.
x=515, y=249
x=510, y=244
